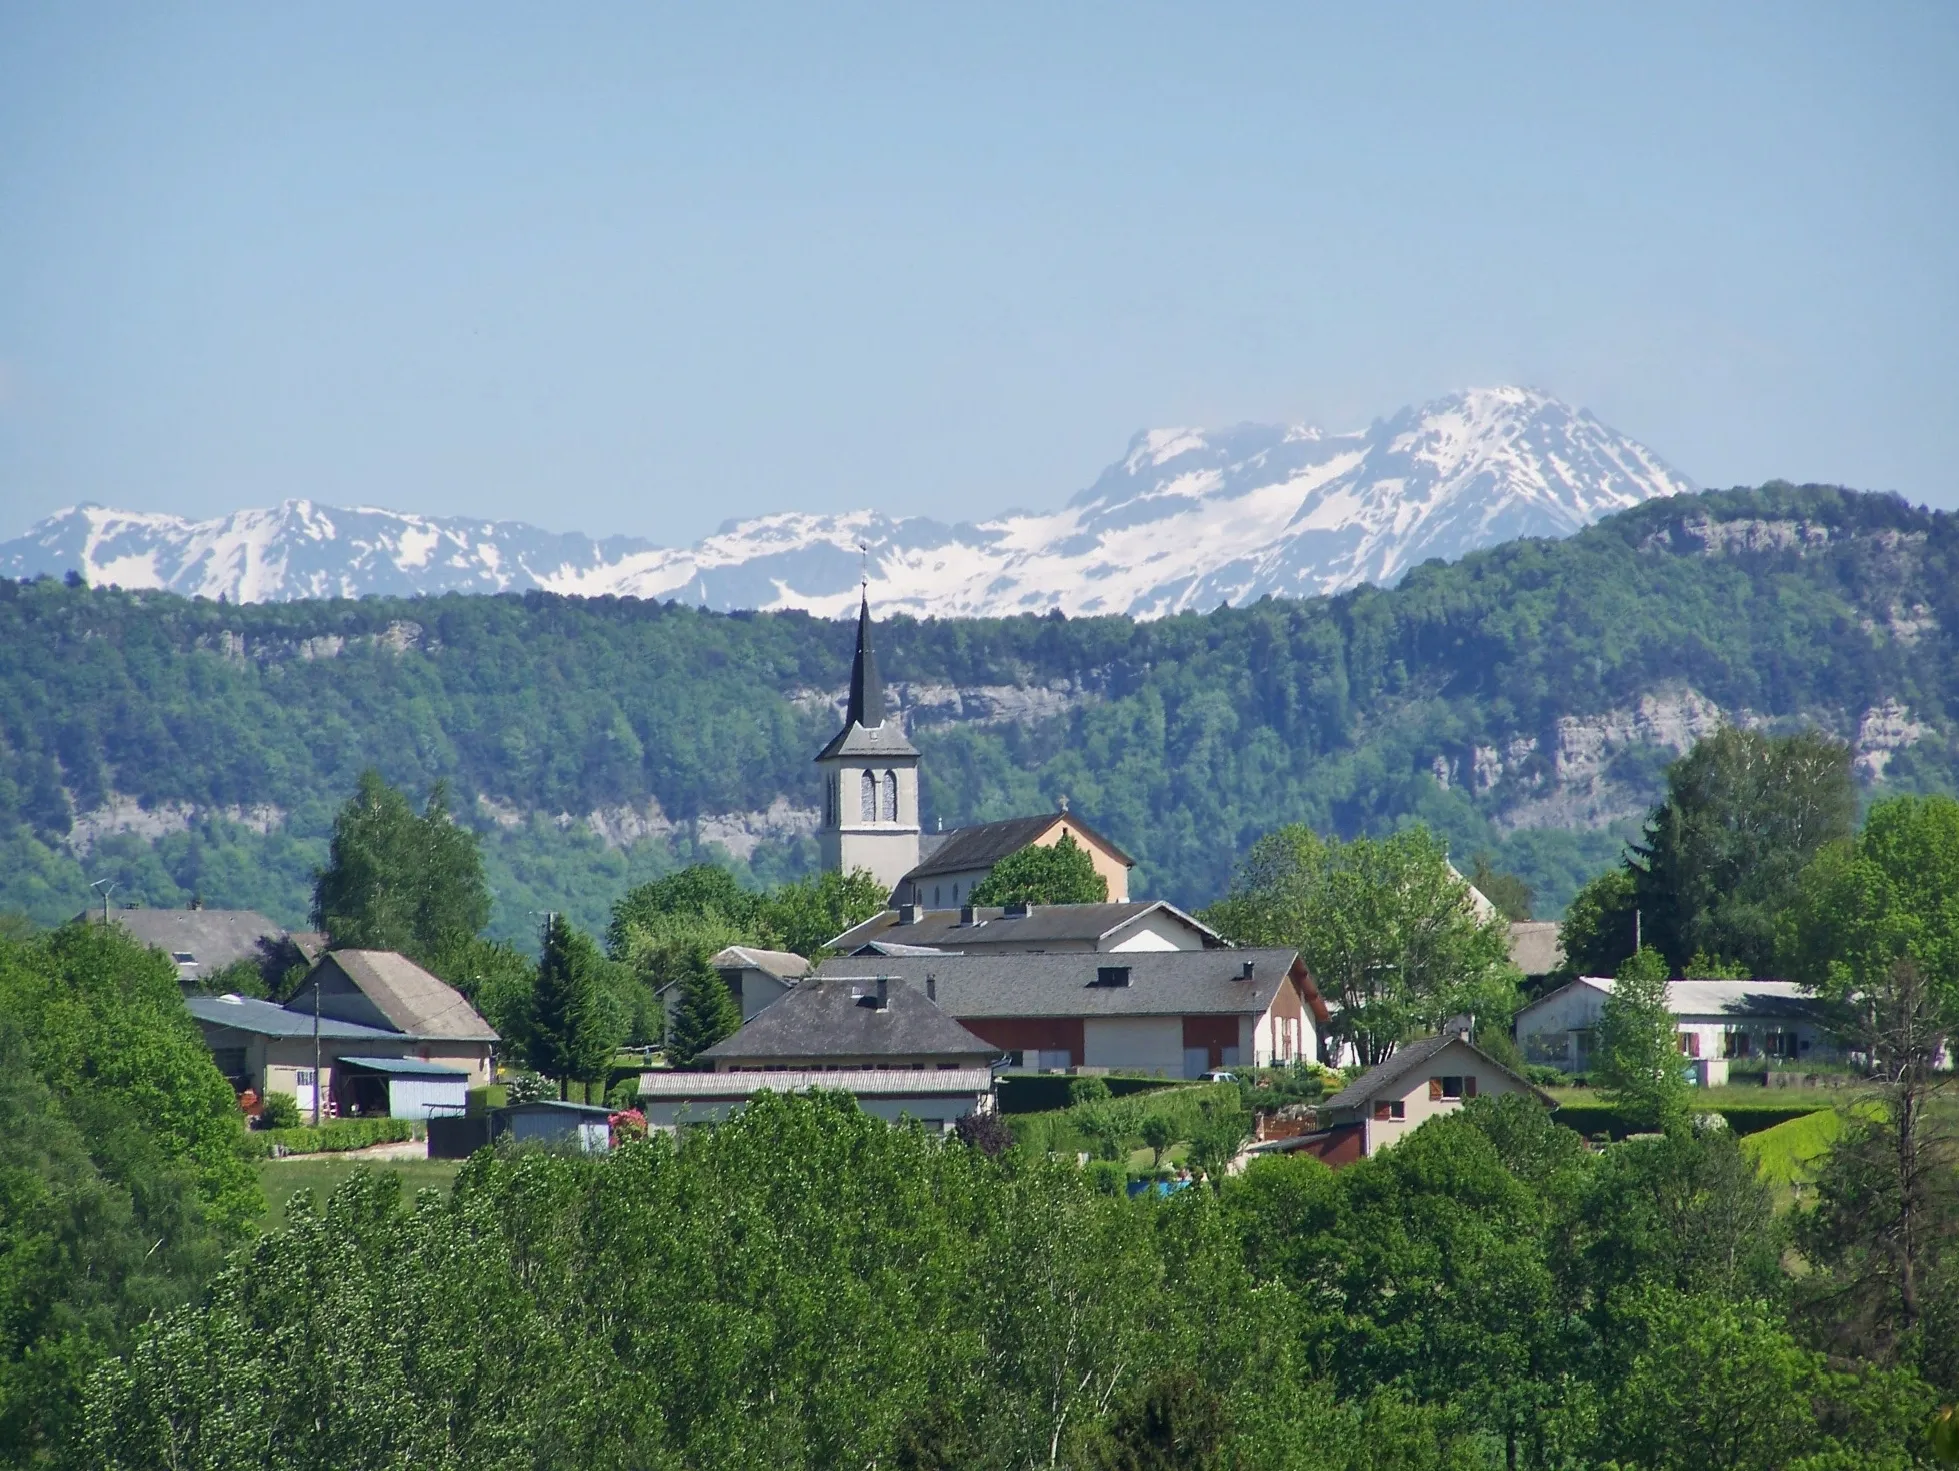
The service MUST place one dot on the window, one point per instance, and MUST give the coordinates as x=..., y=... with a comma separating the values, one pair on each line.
x=870, y=797
x=1690, y=1044
x=935, y=896
x=890, y=813
x=183, y=957
x=1736, y=1044
x=1387, y=1109
x=1446, y=1088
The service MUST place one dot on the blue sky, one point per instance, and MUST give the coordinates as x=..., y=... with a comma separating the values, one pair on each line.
x=640, y=269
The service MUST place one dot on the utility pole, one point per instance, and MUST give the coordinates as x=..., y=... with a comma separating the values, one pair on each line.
x=1638, y=943
x=107, y=889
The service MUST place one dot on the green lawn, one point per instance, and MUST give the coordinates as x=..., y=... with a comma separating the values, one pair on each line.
x=1704, y=1099
x=278, y=1179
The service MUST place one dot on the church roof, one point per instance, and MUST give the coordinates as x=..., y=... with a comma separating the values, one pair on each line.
x=986, y=843
x=866, y=730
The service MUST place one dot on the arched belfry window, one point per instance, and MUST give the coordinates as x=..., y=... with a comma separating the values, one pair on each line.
x=890, y=812
x=870, y=796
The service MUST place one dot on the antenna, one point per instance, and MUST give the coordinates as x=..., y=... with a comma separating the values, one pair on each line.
x=106, y=892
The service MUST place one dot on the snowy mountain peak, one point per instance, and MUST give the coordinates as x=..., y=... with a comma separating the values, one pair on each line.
x=1188, y=518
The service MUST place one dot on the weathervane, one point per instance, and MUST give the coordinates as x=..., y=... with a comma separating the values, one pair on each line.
x=864, y=566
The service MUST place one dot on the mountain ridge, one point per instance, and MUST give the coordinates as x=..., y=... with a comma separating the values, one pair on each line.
x=1187, y=518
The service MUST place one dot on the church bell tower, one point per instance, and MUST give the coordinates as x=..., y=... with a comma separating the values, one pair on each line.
x=870, y=779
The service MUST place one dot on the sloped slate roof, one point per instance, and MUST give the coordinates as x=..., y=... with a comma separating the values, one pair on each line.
x=215, y=937
x=411, y=998
x=1535, y=946
x=1409, y=1058
x=1161, y=982
x=1047, y=924
x=838, y=1018
x=1734, y=1000
x=263, y=1019
x=986, y=843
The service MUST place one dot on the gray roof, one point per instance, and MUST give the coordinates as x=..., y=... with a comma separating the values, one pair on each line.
x=408, y=1067
x=1727, y=1000
x=864, y=1082
x=1406, y=1059
x=262, y=1018
x=408, y=996
x=1536, y=948
x=986, y=843
x=1044, y=924
x=556, y=1105
x=1161, y=982
x=782, y=964
x=826, y=1018
x=214, y=938
x=884, y=739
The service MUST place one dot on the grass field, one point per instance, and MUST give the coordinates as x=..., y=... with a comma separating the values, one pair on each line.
x=278, y=1179
x=1784, y=1155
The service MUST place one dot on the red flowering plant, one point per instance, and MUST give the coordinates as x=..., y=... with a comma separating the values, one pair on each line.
x=628, y=1123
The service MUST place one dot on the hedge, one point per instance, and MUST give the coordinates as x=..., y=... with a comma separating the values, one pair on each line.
x=334, y=1138
x=1745, y=1119
x=1046, y=1092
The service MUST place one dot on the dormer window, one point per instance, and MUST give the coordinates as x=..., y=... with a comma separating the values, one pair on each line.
x=183, y=957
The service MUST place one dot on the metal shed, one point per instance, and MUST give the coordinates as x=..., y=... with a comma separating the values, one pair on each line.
x=403, y=1087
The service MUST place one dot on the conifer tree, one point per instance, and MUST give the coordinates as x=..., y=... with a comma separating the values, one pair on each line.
x=705, y=1014
x=570, y=1038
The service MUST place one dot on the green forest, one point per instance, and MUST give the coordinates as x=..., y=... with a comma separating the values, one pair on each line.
x=225, y=737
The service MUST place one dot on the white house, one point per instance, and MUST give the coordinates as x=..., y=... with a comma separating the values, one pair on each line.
x=1719, y=1023
x=1421, y=1079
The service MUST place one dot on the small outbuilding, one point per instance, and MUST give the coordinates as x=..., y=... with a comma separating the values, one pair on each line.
x=402, y=1087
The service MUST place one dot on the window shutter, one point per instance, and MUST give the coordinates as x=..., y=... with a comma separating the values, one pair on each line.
x=1469, y=1086
x=1435, y=1088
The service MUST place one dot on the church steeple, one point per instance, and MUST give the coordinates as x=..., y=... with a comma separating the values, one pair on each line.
x=866, y=688
x=870, y=778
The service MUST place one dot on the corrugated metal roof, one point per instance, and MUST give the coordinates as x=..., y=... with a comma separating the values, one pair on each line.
x=263, y=1019
x=865, y=1082
x=784, y=965
x=408, y=1067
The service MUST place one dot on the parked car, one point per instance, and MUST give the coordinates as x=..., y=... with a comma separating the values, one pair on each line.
x=1220, y=1077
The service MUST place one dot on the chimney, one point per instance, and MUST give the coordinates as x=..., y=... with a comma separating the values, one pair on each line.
x=968, y=914
x=931, y=987
x=1246, y=973
x=883, y=993
x=1019, y=911
x=907, y=914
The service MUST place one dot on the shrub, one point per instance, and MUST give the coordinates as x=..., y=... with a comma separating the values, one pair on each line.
x=1546, y=1076
x=1087, y=1090
x=529, y=1088
x=1106, y=1177
x=279, y=1111
x=624, y=1093
x=986, y=1132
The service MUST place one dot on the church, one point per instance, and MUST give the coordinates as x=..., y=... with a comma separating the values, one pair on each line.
x=871, y=814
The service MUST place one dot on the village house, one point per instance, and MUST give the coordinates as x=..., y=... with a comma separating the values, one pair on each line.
x=202, y=942
x=1176, y=1013
x=871, y=818
x=387, y=1038
x=379, y=988
x=1421, y=1079
x=755, y=978
x=1719, y=1024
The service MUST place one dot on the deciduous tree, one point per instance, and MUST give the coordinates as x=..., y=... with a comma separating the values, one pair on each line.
x=1387, y=929
x=1055, y=873
x=1636, y=1054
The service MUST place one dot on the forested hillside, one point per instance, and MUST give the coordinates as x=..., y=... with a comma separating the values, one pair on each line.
x=1522, y=702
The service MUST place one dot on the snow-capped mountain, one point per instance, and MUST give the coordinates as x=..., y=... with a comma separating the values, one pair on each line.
x=1186, y=519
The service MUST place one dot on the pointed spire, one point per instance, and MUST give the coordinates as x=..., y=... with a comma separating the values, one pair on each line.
x=866, y=689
